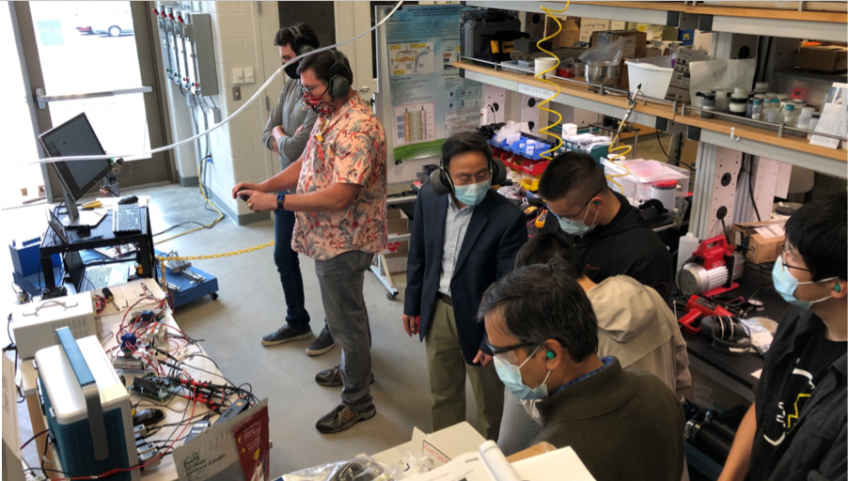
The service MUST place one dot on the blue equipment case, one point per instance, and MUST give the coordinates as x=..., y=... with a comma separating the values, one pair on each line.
x=187, y=291
x=34, y=283
x=89, y=409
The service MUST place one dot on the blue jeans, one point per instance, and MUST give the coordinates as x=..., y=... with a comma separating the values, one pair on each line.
x=288, y=265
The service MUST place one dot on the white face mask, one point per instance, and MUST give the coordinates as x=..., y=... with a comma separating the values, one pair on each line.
x=530, y=405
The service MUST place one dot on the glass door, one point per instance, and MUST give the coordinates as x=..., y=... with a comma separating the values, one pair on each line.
x=97, y=58
x=20, y=183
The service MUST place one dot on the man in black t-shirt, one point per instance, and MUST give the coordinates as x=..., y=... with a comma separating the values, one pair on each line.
x=797, y=427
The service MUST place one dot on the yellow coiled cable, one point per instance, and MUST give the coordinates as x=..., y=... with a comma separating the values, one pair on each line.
x=546, y=130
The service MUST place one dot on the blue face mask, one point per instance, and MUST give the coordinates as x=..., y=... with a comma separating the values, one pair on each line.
x=510, y=375
x=785, y=284
x=577, y=227
x=472, y=194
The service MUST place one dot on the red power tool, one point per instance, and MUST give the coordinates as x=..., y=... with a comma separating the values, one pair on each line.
x=697, y=308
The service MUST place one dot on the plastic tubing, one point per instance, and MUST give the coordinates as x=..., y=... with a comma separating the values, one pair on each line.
x=232, y=116
x=540, y=76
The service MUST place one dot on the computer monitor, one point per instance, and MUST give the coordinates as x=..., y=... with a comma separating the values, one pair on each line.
x=76, y=138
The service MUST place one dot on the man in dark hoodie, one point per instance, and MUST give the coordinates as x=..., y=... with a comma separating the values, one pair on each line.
x=611, y=235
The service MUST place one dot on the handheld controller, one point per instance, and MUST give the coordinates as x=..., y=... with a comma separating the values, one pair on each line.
x=243, y=197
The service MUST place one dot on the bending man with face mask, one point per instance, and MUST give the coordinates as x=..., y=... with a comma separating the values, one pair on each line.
x=611, y=235
x=797, y=427
x=461, y=243
x=635, y=326
x=544, y=336
x=340, y=205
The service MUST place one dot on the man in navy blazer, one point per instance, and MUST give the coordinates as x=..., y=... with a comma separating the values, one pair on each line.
x=461, y=244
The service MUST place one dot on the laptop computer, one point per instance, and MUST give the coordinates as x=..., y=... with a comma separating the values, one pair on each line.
x=87, y=278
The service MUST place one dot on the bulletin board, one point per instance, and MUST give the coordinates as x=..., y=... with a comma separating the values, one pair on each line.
x=422, y=99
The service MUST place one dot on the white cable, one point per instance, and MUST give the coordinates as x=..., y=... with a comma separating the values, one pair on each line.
x=233, y=115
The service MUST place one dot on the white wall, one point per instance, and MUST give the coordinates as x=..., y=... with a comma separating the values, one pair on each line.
x=238, y=154
x=237, y=149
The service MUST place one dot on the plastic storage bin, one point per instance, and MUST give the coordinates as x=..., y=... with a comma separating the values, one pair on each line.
x=654, y=73
x=645, y=177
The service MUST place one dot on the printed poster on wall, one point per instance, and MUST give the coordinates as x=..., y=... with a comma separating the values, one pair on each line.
x=429, y=100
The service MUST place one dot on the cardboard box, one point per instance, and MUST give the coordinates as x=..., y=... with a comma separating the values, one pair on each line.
x=439, y=447
x=397, y=222
x=635, y=42
x=397, y=253
x=624, y=76
x=829, y=58
x=569, y=35
x=763, y=241
x=654, y=52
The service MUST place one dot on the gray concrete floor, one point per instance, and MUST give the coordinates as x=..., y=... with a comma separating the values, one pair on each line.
x=251, y=304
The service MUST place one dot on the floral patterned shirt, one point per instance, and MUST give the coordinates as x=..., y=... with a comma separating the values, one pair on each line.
x=348, y=147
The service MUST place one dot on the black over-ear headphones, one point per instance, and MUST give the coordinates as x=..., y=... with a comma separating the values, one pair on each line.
x=443, y=184
x=340, y=76
x=302, y=44
x=727, y=333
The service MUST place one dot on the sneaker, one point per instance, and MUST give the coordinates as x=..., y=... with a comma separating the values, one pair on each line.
x=332, y=377
x=323, y=344
x=342, y=418
x=286, y=334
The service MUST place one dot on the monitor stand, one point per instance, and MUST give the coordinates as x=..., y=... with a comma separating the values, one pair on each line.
x=77, y=219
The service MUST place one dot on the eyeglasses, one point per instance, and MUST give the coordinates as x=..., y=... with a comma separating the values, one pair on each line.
x=785, y=265
x=308, y=90
x=506, y=353
x=574, y=216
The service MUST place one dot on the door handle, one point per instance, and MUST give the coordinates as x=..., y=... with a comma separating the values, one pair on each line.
x=41, y=99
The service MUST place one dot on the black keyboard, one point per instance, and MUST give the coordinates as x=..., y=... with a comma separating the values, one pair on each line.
x=126, y=219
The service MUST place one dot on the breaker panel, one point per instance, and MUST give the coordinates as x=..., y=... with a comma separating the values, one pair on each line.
x=187, y=49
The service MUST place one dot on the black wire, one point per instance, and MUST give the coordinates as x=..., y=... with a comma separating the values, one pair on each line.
x=661, y=145
x=751, y=192
x=724, y=228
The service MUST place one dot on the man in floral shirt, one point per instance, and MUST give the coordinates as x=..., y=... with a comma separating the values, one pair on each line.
x=341, y=220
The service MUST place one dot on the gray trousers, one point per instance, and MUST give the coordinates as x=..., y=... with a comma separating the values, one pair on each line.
x=341, y=280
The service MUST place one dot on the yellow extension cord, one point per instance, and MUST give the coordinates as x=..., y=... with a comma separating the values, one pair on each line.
x=161, y=259
x=546, y=130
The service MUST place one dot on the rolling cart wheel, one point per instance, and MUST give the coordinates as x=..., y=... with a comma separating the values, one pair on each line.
x=391, y=295
x=214, y=296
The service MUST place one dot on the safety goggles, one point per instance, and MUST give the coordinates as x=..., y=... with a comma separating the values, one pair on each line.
x=507, y=353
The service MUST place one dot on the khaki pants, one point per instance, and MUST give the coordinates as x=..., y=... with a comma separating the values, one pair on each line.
x=447, y=378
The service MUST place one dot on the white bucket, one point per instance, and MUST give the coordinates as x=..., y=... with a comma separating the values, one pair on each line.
x=654, y=73
x=543, y=64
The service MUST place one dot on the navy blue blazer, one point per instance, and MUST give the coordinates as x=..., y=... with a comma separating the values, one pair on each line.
x=496, y=231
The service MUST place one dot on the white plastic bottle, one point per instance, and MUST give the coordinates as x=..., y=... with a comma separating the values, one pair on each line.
x=688, y=244
x=789, y=115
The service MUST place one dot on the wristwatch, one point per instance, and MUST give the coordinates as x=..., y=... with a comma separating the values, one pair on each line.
x=281, y=201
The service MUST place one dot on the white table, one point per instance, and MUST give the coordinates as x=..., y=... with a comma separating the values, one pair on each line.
x=111, y=319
